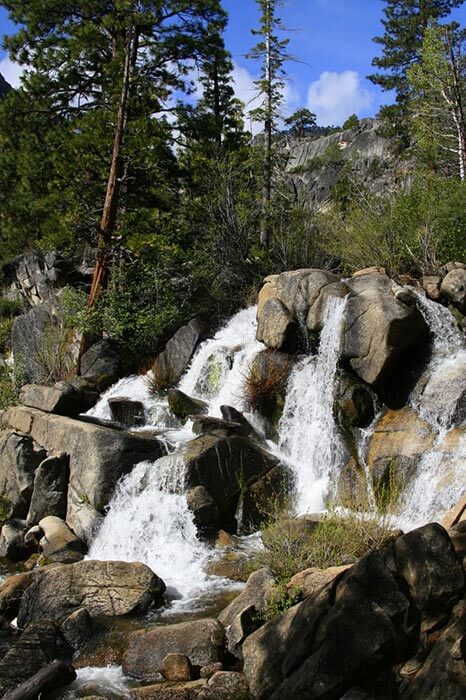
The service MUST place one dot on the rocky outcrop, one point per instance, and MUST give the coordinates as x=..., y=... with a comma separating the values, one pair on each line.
x=174, y=360
x=98, y=457
x=200, y=640
x=226, y=468
x=19, y=459
x=38, y=276
x=182, y=406
x=64, y=399
x=383, y=334
x=371, y=617
x=129, y=414
x=103, y=588
x=100, y=364
x=50, y=490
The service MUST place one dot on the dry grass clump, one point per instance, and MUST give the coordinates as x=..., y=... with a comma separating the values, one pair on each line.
x=265, y=384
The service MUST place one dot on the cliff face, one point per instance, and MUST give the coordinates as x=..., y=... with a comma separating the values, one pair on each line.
x=361, y=157
x=4, y=86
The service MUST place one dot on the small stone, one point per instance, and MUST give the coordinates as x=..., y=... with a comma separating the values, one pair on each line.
x=177, y=667
x=210, y=669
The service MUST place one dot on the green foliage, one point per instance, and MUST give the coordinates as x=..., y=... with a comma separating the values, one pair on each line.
x=6, y=324
x=352, y=122
x=9, y=308
x=404, y=26
x=301, y=121
x=281, y=600
x=337, y=539
x=9, y=389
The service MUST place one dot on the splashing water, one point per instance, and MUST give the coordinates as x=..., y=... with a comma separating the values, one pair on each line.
x=309, y=439
x=148, y=519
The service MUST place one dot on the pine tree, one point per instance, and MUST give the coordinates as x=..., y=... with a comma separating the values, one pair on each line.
x=405, y=23
x=271, y=51
x=438, y=84
x=301, y=121
x=107, y=67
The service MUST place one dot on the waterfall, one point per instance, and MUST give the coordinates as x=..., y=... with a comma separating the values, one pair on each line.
x=148, y=518
x=309, y=439
x=440, y=400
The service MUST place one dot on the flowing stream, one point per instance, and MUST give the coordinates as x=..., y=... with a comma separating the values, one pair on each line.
x=148, y=519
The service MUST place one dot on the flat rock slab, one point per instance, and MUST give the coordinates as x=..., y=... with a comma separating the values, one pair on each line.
x=102, y=587
x=200, y=640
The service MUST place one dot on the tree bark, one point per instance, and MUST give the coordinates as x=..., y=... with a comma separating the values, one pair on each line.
x=55, y=675
x=267, y=185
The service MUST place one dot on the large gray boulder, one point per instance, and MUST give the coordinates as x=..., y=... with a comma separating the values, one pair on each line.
x=200, y=640
x=18, y=462
x=64, y=398
x=100, y=364
x=226, y=468
x=170, y=364
x=34, y=650
x=453, y=289
x=277, y=327
x=383, y=338
x=30, y=343
x=110, y=588
x=50, y=492
x=99, y=456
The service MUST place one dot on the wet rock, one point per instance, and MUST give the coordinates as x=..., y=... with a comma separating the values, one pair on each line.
x=103, y=588
x=453, y=289
x=183, y=406
x=99, y=456
x=226, y=685
x=232, y=415
x=55, y=675
x=226, y=467
x=299, y=290
x=33, y=651
x=431, y=285
x=77, y=628
x=456, y=514
x=426, y=560
x=58, y=543
x=177, y=667
x=204, y=508
x=50, y=492
x=101, y=364
x=206, y=425
x=399, y=440
x=63, y=398
x=174, y=360
x=444, y=393
x=18, y=463
x=11, y=592
x=12, y=542
x=318, y=311
x=200, y=640
x=354, y=405
x=127, y=413
x=264, y=497
x=277, y=328
x=352, y=486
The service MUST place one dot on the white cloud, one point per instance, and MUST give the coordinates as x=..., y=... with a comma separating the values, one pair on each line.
x=12, y=72
x=334, y=96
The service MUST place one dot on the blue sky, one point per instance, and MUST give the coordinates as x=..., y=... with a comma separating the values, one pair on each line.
x=332, y=39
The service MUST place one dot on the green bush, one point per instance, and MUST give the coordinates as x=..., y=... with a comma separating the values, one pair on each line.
x=337, y=539
x=6, y=324
x=9, y=308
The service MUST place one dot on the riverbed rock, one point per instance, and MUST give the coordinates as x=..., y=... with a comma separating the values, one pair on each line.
x=177, y=667
x=399, y=440
x=58, y=543
x=226, y=467
x=242, y=617
x=34, y=650
x=11, y=592
x=431, y=285
x=200, y=640
x=77, y=628
x=453, y=289
x=18, y=463
x=443, y=393
x=354, y=405
x=232, y=415
x=170, y=364
x=64, y=398
x=188, y=690
x=182, y=406
x=226, y=685
x=262, y=499
x=99, y=456
x=300, y=289
x=129, y=414
x=203, y=507
x=50, y=492
x=102, y=587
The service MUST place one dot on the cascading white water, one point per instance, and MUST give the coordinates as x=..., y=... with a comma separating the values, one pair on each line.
x=441, y=473
x=148, y=518
x=309, y=439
